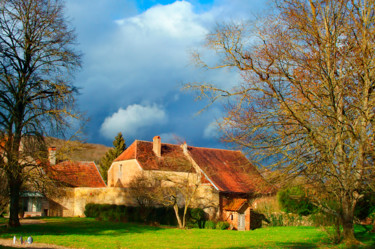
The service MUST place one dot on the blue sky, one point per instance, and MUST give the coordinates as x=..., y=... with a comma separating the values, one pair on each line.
x=136, y=60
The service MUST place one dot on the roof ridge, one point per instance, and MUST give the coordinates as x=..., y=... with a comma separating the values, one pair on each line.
x=214, y=149
x=193, y=146
x=161, y=143
x=75, y=161
x=135, y=150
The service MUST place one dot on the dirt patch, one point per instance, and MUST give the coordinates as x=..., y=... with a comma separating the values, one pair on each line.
x=9, y=243
x=31, y=221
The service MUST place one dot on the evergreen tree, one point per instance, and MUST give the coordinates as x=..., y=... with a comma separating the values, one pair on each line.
x=119, y=146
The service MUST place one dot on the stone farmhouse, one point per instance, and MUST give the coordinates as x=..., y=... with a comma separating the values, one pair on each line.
x=228, y=181
x=228, y=184
x=72, y=177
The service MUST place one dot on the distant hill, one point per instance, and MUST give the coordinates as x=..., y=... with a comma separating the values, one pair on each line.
x=77, y=151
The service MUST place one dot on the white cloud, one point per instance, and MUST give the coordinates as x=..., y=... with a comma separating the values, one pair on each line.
x=211, y=131
x=132, y=119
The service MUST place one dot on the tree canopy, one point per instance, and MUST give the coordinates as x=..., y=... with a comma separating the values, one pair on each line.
x=37, y=62
x=306, y=103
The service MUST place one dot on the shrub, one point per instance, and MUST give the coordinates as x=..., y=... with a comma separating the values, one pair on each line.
x=210, y=224
x=91, y=210
x=222, y=225
x=276, y=220
x=366, y=206
x=196, y=217
x=107, y=212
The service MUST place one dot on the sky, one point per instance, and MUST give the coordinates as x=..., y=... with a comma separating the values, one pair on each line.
x=136, y=60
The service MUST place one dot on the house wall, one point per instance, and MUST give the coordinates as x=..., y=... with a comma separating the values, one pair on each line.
x=122, y=173
x=63, y=204
x=72, y=201
x=232, y=217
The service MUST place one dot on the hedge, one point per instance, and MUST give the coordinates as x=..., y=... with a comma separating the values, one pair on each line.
x=161, y=215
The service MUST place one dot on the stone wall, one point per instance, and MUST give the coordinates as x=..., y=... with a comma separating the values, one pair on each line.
x=72, y=201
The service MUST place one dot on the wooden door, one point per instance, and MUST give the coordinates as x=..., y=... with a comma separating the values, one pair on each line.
x=241, y=222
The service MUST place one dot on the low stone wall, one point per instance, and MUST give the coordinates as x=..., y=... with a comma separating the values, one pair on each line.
x=72, y=201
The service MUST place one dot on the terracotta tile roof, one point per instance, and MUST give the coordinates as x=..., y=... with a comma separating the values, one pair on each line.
x=229, y=170
x=235, y=204
x=77, y=174
x=128, y=154
x=172, y=159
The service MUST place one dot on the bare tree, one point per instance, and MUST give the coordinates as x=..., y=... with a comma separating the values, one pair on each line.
x=307, y=101
x=168, y=189
x=37, y=60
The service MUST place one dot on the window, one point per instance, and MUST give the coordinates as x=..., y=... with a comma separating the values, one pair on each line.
x=32, y=204
x=120, y=171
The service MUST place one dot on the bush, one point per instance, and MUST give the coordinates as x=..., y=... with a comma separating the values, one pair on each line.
x=196, y=217
x=107, y=212
x=210, y=224
x=294, y=200
x=222, y=225
x=92, y=210
x=366, y=206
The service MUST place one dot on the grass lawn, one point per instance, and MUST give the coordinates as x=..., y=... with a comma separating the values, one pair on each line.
x=89, y=233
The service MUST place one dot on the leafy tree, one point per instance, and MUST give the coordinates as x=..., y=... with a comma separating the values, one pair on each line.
x=37, y=60
x=306, y=103
x=119, y=146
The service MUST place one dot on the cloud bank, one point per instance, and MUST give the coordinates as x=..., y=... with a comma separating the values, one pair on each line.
x=132, y=120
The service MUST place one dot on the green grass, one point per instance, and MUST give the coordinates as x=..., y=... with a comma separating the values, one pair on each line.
x=89, y=233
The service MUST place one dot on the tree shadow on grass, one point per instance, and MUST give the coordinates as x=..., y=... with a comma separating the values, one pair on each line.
x=297, y=245
x=34, y=247
x=78, y=227
x=367, y=238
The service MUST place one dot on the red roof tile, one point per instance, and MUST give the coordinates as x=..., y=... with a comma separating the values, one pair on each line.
x=235, y=204
x=128, y=154
x=172, y=158
x=77, y=174
x=230, y=171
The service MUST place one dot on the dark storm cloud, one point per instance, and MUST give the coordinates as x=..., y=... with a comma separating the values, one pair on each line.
x=136, y=63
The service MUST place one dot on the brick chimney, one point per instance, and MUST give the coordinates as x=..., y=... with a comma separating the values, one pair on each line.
x=157, y=146
x=52, y=155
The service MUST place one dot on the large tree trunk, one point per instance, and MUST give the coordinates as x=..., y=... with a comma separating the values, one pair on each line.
x=14, y=190
x=347, y=219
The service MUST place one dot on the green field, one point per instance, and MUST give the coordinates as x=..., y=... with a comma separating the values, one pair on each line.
x=89, y=233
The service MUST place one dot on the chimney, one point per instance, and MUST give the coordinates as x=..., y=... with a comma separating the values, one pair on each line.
x=157, y=146
x=184, y=148
x=52, y=155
